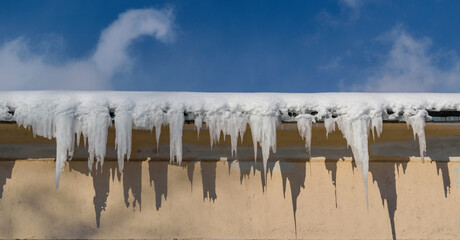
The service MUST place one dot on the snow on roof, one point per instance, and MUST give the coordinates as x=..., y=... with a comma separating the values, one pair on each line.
x=65, y=114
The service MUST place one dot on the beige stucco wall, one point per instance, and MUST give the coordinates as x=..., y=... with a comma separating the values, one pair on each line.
x=213, y=195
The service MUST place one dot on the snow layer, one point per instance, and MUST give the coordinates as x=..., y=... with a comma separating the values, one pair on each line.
x=64, y=115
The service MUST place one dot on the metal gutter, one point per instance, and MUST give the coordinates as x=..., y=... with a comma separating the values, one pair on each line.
x=289, y=116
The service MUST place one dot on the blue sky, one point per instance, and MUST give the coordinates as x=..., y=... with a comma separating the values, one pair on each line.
x=243, y=46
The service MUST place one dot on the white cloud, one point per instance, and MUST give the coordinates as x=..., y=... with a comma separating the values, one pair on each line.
x=411, y=66
x=22, y=69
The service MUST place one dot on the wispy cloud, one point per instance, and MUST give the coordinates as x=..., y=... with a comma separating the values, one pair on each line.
x=412, y=66
x=333, y=64
x=24, y=69
x=336, y=62
x=350, y=11
x=353, y=4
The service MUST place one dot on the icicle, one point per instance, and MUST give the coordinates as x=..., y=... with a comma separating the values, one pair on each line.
x=329, y=124
x=146, y=117
x=158, y=122
x=94, y=121
x=65, y=141
x=356, y=132
x=38, y=117
x=232, y=128
x=65, y=138
x=51, y=120
x=263, y=129
x=233, y=124
x=417, y=121
x=198, y=123
x=59, y=115
x=176, y=124
x=376, y=123
x=243, y=123
x=123, y=136
x=77, y=132
x=304, y=125
x=215, y=122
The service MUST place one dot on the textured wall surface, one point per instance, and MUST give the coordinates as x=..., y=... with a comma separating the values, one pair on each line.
x=215, y=195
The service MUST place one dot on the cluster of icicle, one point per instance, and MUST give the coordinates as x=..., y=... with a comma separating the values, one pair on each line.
x=356, y=129
x=87, y=115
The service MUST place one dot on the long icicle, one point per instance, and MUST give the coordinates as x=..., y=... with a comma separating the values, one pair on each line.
x=356, y=132
x=417, y=121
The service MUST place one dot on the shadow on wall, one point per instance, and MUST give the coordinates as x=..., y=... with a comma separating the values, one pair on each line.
x=296, y=173
x=383, y=173
x=101, y=183
x=208, y=177
x=190, y=166
x=6, y=170
x=132, y=180
x=444, y=167
x=158, y=172
x=246, y=167
x=385, y=176
x=331, y=167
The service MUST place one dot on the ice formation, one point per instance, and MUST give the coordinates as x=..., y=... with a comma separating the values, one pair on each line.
x=124, y=126
x=198, y=124
x=356, y=131
x=92, y=122
x=416, y=119
x=176, y=124
x=329, y=124
x=233, y=124
x=376, y=123
x=67, y=116
x=263, y=129
x=304, y=124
